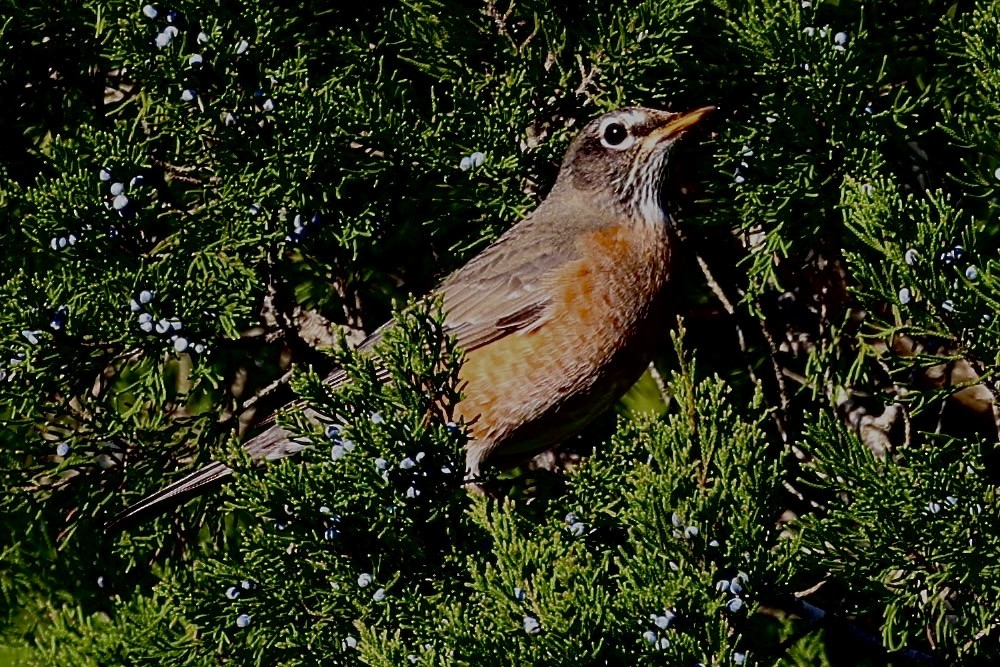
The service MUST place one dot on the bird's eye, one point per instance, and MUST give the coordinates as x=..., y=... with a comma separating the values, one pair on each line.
x=614, y=134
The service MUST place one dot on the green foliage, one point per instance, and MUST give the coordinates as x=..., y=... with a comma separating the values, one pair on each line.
x=187, y=198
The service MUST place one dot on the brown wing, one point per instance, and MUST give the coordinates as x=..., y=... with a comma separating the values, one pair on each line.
x=504, y=289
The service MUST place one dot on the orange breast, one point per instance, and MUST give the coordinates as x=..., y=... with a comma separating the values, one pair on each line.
x=530, y=389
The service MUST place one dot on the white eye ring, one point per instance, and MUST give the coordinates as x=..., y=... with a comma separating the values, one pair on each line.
x=624, y=143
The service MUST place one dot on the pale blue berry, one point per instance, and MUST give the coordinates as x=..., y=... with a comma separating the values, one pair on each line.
x=242, y=47
x=972, y=273
x=104, y=175
x=735, y=605
x=531, y=625
x=180, y=344
x=379, y=595
x=188, y=95
x=62, y=449
x=242, y=621
x=364, y=580
x=232, y=592
x=905, y=296
x=119, y=202
x=407, y=463
x=117, y=188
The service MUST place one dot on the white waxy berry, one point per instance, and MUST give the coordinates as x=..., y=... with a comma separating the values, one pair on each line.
x=54, y=243
x=62, y=242
x=905, y=296
x=412, y=492
x=364, y=580
x=232, y=592
x=650, y=637
x=477, y=159
x=146, y=326
x=997, y=174
x=381, y=464
x=188, y=95
x=145, y=296
x=163, y=39
x=934, y=507
x=180, y=344
x=379, y=595
x=948, y=306
x=196, y=60
x=162, y=326
x=519, y=593
x=202, y=38
x=337, y=452
x=117, y=188
x=199, y=348
x=691, y=532
x=145, y=317
x=105, y=175
x=972, y=273
x=465, y=164
x=840, y=38
x=243, y=620
x=119, y=202
x=377, y=418
x=735, y=605
x=739, y=658
x=72, y=239
x=62, y=449
x=722, y=586
x=30, y=336
x=911, y=256
x=810, y=31
x=407, y=464
x=242, y=47
x=531, y=625
x=268, y=104
x=350, y=642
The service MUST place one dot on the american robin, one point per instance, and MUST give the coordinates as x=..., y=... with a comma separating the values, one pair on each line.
x=557, y=318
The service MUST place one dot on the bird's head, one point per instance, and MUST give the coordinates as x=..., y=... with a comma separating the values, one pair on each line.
x=620, y=157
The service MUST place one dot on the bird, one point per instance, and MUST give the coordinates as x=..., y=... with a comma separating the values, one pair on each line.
x=557, y=318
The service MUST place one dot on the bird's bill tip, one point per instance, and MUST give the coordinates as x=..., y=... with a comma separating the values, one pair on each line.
x=686, y=120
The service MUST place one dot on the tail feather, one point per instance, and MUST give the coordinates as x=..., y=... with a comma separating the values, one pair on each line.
x=181, y=490
x=271, y=444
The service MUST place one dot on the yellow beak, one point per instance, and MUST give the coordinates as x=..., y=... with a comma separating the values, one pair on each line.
x=678, y=125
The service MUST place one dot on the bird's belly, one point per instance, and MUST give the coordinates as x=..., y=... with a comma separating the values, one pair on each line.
x=530, y=390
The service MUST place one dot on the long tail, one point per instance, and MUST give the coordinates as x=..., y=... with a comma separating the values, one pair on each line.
x=269, y=445
x=194, y=484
